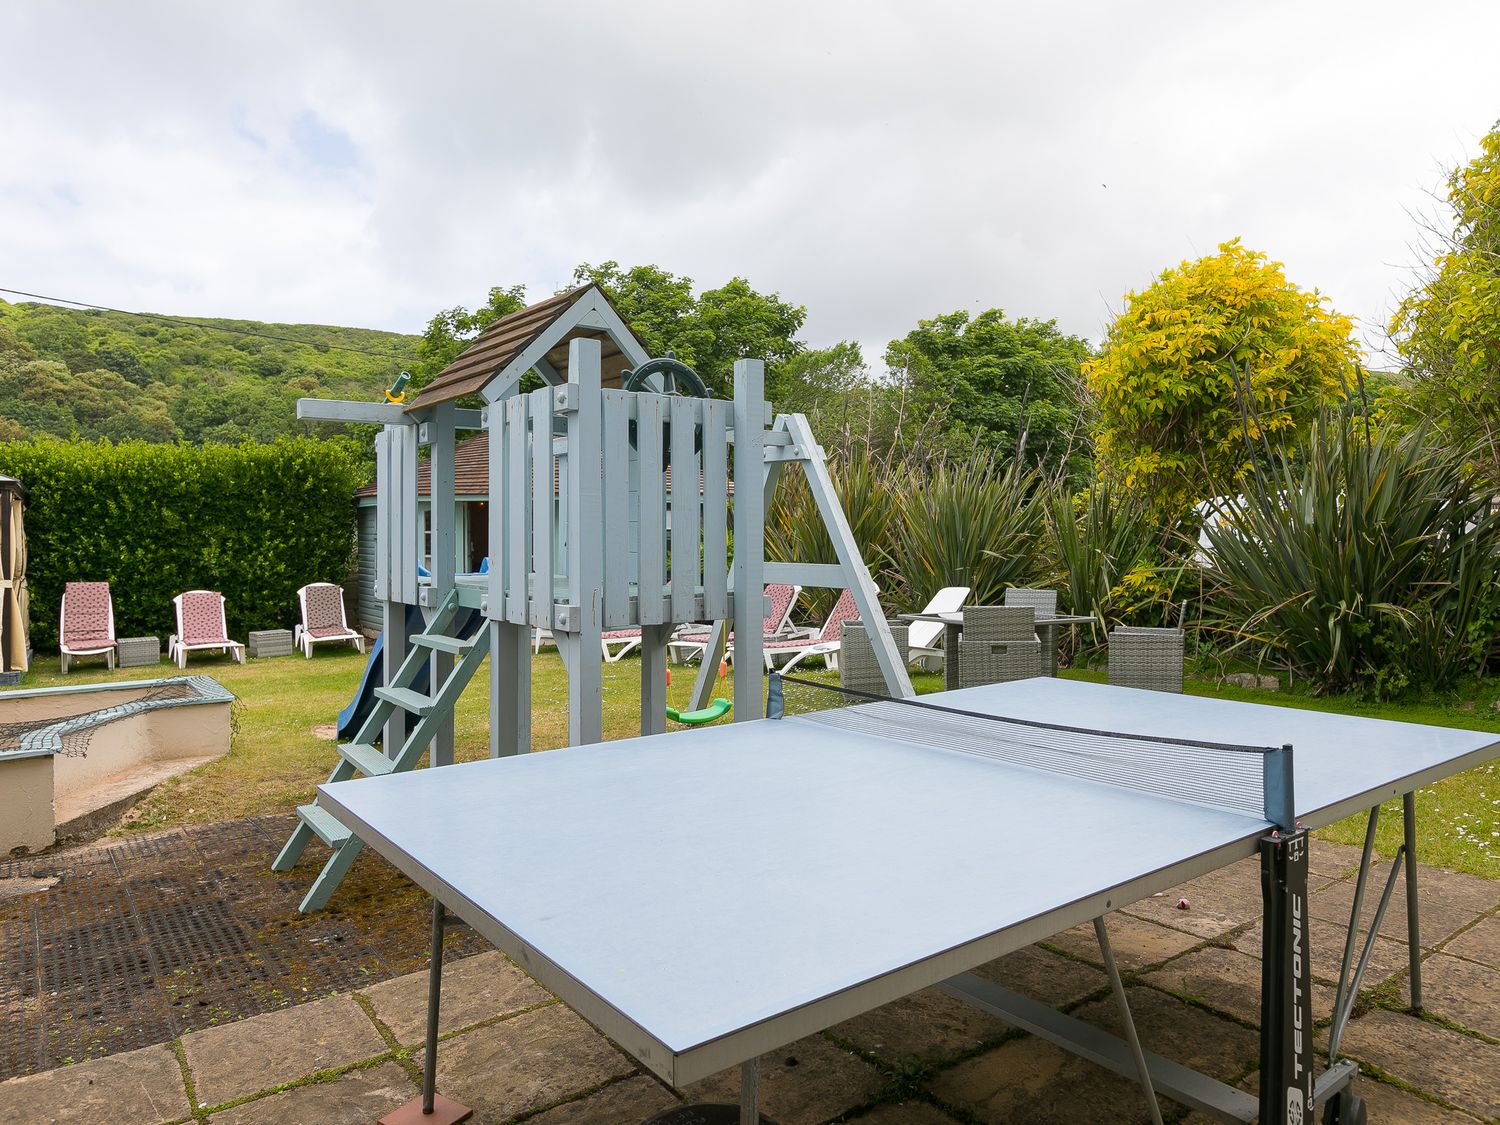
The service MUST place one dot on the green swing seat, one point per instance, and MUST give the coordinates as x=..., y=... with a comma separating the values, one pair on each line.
x=715, y=710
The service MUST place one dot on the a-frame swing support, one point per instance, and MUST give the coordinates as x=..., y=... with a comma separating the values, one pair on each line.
x=850, y=572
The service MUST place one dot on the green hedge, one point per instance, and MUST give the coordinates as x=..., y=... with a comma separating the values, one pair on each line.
x=254, y=522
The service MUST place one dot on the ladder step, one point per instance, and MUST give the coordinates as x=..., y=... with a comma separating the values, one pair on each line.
x=325, y=827
x=456, y=645
x=407, y=700
x=368, y=760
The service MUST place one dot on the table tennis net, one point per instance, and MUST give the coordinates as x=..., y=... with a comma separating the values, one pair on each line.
x=1217, y=775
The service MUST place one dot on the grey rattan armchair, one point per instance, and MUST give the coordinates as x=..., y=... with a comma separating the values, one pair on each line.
x=1146, y=658
x=858, y=670
x=999, y=644
x=1178, y=628
x=1043, y=601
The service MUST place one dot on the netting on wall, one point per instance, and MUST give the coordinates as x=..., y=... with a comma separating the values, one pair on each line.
x=73, y=733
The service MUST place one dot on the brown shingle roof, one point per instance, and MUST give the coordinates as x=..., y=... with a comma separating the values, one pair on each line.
x=505, y=339
x=471, y=469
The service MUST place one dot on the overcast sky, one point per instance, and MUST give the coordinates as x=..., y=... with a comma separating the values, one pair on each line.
x=368, y=164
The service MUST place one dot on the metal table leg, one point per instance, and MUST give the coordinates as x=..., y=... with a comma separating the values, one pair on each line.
x=750, y=1093
x=1143, y=1072
x=1413, y=914
x=431, y=1108
x=747, y=1112
x=1351, y=937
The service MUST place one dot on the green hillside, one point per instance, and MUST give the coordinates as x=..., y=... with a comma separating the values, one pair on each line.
x=90, y=374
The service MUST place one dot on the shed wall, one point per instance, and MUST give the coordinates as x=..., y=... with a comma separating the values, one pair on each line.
x=367, y=609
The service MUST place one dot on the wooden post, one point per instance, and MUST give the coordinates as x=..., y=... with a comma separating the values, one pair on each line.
x=861, y=585
x=510, y=689
x=654, y=678
x=749, y=536
x=398, y=530
x=584, y=522
x=510, y=652
x=708, y=669
x=444, y=558
x=651, y=511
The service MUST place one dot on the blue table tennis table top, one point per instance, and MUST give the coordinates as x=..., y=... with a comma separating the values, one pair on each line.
x=704, y=896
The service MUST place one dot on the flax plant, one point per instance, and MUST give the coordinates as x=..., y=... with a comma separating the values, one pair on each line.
x=1096, y=539
x=1364, y=561
x=971, y=523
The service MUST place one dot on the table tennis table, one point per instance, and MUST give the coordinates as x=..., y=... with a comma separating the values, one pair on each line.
x=702, y=897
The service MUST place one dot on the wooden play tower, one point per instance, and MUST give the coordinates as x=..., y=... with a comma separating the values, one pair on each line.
x=589, y=531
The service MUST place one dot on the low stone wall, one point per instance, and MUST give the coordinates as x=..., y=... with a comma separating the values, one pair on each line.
x=26, y=805
x=108, y=746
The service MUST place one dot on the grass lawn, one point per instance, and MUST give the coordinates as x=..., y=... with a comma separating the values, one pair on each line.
x=276, y=759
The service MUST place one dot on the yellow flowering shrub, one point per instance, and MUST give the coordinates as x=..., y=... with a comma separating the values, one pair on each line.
x=1171, y=380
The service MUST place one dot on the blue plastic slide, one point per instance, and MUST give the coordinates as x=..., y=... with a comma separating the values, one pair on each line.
x=468, y=622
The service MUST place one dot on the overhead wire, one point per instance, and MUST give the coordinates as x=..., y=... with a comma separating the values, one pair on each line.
x=178, y=320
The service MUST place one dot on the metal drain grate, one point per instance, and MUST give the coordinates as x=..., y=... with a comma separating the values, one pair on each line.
x=142, y=939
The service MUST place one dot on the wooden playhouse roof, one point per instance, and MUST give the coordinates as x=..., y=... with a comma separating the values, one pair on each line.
x=506, y=339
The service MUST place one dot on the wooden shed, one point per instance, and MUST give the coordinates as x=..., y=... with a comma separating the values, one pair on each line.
x=15, y=642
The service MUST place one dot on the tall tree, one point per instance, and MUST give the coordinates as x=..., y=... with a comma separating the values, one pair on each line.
x=854, y=414
x=1013, y=385
x=1447, y=331
x=1213, y=359
x=451, y=331
x=708, y=332
x=817, y=379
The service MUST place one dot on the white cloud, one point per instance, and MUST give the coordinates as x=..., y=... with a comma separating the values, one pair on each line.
x=878, y=162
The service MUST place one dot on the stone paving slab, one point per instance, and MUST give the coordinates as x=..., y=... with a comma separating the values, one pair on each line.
x=1386, y=1105
x=526, y=1063
x=1480, y=942
x=907, y=1113
x=1031, y=1081
x=807, y=1083
x=1226, y=981
x=1462, y=992
x=625, y=1103
x=474, y=989
x=1181, y=1032
x=1137, y=944
x=929, y=1026
x=515, y=1052
x=238, y=1059
x=1459, y=1069
x=357, y=1098
x=1217, y=903
x=143, y=1087
x=1388, y=957
x=1449, y=901
x=1328, y=860
x=1046, y=976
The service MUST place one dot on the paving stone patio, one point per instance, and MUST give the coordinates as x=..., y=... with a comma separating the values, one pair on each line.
x=516, y=1054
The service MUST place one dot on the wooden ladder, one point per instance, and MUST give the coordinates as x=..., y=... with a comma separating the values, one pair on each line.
x=362, y=757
